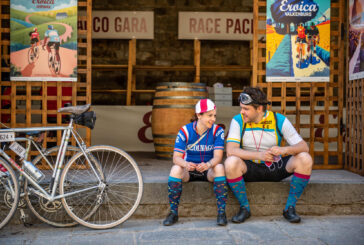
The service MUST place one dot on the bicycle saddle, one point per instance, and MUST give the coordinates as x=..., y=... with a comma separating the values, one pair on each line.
x=75, y=109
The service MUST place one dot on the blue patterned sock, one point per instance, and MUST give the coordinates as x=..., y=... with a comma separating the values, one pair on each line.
x=238, y=187
x=220, y=189
x=174, y=193
x=298, y=184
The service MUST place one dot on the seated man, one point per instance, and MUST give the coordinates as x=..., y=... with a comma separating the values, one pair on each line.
x=254, y=153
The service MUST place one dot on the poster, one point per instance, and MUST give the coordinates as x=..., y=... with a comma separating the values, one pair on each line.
x=43, y=40
x=356, y=39
x=298, y=41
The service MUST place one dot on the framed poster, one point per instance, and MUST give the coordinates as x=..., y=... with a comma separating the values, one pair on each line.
x=298, y=41
x=43, y=40
x=356, y=39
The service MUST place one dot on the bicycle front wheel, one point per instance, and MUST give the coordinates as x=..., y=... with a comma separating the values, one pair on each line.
x=50, y=212
x=105, y=190
x=9, y=193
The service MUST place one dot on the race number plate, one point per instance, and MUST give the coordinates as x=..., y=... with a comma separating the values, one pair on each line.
x=18, y=149
x=6, y=137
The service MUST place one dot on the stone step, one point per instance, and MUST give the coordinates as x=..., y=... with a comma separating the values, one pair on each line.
x=330, y=192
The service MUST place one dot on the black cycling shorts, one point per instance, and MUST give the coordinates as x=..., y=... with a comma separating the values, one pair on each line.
x=56, y=45
x=260, y=172
x=198, y=176
x=34, y=40
x=303, y=40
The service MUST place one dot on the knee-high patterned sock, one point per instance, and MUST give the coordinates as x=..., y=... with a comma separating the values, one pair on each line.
x=298, y=184
x=238, y=187
x=220, y=189
x=174, y=193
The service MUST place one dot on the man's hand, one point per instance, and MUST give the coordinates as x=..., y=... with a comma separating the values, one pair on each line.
x=190, y=166
x=202, y=167
x=276, y=151
x=266, y=156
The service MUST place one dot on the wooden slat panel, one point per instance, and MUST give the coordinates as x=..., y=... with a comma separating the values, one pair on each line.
x=313, y=101
x=31, y=98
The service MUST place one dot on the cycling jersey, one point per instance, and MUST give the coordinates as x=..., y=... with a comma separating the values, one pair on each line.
x=34, y=35
x=312, y=32
x=254, y=136
x=203, y=151
x=52, y=35
x=301, y=32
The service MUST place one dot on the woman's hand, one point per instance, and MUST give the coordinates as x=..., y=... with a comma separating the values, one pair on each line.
x=202, y=167
x=190, y=166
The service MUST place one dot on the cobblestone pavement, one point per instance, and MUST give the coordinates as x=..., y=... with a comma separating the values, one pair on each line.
x=347, y=230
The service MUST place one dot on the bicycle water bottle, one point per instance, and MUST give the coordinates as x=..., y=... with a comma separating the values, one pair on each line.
x=33, y=171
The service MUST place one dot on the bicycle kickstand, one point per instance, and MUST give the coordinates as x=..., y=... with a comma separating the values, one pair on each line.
x=24, y=217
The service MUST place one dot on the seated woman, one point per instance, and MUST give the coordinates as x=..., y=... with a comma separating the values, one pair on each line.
x=197, y=156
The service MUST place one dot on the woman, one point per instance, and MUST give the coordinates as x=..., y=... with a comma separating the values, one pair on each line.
x=197, y=155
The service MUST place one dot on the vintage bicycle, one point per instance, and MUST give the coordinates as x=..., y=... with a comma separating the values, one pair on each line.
x=33, y=54
x=100, y=186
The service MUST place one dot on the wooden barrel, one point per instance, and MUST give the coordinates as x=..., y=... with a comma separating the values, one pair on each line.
x=173, y=106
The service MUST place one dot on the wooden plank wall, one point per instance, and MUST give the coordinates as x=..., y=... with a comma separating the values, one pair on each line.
x=29, y=99
x=315, y=108
x=354, y=140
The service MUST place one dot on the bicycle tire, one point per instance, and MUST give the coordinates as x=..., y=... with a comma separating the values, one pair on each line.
x=30, y=55
x=111, y=205
x=52, y=213
x=8, y=207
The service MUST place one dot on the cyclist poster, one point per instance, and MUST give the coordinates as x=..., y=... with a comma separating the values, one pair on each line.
x=298, y=41
x=356, y=39
x=43, y=40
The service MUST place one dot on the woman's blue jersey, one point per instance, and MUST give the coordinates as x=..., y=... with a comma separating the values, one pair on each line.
x=203, y=151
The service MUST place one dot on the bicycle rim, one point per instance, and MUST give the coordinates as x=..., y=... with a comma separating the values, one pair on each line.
x=52, y=213
x=9, y=194
x=102, y=207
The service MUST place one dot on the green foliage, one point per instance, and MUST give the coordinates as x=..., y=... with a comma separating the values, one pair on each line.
x=14, y=71
x=17, y=14
x=16, y=26
x=22, y=36
x=38, y=19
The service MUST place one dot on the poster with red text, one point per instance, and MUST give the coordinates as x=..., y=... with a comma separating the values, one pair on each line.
x=43, y=40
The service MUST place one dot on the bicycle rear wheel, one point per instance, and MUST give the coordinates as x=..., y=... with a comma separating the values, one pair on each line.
x=108, y=194
x=9, y=193
x=52, y=213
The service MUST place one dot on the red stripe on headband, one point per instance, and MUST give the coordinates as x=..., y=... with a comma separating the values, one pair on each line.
x=203, y=105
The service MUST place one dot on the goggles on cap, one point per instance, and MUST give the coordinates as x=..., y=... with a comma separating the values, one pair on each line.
x=246, y=99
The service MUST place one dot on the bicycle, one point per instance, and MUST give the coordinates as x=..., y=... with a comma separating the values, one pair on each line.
x=100, y=187
x=49, y=212
x=33, y=54
x=54, y=64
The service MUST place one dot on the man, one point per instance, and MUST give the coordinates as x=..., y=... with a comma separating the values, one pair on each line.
x=301, y=40
x=54, y=40
x=254, y=153
x=313, y=37
x=34, y=39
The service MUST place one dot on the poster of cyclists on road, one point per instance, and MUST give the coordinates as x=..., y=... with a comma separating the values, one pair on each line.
x=43, y=40
x=356, y=39
x=298, y=41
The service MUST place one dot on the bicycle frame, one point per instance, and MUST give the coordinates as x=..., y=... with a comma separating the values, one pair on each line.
x=67, y=131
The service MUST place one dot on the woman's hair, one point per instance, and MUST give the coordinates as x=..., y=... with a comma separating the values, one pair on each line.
x=195, y=118
x=258, y=96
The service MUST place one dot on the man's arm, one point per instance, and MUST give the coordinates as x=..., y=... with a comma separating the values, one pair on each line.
x=290, y=150
x=233, y=149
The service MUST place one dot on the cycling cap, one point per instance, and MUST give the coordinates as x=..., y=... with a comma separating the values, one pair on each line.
x=204, y=105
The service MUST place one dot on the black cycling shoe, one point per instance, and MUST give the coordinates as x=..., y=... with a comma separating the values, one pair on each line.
x=171, y=219
x=221, y=219
x=241, y=216
x=291, y=215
